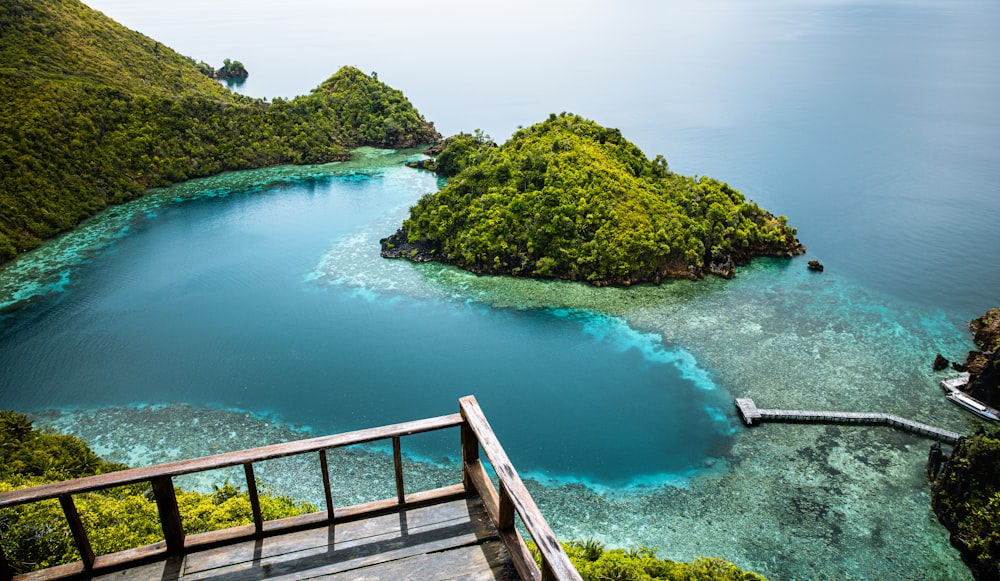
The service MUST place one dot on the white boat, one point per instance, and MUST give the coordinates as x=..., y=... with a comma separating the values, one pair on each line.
x=973, y=405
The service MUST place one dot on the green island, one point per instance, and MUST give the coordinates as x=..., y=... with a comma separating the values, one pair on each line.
x=966, y=498
x=35, y=536
x=92, y=114
x=966, y=494
x=567, y=198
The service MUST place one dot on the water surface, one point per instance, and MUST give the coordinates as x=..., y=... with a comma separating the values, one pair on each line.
x=229, y=312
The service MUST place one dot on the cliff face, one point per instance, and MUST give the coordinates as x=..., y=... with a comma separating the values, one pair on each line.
x=966, y=494
x=984, y=366
x=966, y=499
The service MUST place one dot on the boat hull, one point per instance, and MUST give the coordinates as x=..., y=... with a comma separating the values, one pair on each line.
x=975, y=406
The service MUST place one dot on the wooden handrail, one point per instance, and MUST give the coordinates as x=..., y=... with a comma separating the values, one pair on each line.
x=513, y=494
x=513, y=497
x=226, y=460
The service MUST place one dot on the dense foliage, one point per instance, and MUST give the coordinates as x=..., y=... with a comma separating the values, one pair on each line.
x=92, y=114
x=966, y=498
x=568, y=198
x=595, y=563
x=35, y=536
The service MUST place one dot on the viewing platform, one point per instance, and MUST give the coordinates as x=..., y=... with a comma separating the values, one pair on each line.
x=462, y=531
x=752, y=415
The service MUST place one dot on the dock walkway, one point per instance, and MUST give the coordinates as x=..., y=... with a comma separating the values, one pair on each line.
x=753, y=415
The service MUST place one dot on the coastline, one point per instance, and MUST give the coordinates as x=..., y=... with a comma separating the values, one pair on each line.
x=716, y=513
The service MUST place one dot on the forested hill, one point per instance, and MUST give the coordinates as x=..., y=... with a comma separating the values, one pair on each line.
x=570, y=199
x=92, y=114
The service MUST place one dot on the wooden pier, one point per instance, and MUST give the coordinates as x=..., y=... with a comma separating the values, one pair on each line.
x=465, y=530
x=753, y=415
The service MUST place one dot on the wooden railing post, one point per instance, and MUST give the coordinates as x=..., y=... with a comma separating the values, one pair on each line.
x=470, y=453
x=505, y=517
x=258, y=520
x=79, y=535
x=6, y=574
x=397, y=460
x=324, y=466
x=514, y=497
x=170, y=515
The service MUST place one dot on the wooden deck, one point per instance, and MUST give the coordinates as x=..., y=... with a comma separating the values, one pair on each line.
x=467, y=530
x=753, y=415
x=451, y=539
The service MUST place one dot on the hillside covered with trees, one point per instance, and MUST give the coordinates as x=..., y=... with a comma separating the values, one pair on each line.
x=92, y=114
x=966, y=499
x=568, y=198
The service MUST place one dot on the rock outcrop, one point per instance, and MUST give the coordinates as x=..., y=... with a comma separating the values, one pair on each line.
x=984, y=365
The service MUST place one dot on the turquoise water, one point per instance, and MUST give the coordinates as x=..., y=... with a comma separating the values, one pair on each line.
x=253, y=307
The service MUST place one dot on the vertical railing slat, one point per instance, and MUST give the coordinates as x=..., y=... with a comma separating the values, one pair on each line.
x=326, y=485
x=397, y=458
x=470, y=453
x=79, y=534
x=170, y=515
x=506, y=512
x=6, y=574
x=258, y=520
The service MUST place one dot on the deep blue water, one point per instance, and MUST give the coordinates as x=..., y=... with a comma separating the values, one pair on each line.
x=209, y=302
x=872, y=125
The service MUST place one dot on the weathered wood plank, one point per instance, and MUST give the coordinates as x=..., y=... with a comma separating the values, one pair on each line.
x=327, y=492
x=547, y=542
x=258, y=518
x=353, y=546
x=397, y=464
x=482, y=562
x=79, y=534
x=170, y=515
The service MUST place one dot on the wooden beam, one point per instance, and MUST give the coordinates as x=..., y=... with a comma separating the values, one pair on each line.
x=483, y=487
x=552, y=552
x=6, y=574
x=470, y=453
x=79, y=534
x=258, y=519
x=505, y=516
x=170, y=515
x=521, y=557
x=397, y=462
x=328, y=494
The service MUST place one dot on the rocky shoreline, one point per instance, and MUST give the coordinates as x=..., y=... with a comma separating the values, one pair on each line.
x=506, y=212
x=965, y=496
x=983, y=366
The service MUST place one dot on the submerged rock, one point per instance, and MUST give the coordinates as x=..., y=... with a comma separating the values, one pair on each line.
x=815, y=266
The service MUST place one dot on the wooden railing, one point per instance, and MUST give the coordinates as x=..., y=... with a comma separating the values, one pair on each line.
x=476, y=433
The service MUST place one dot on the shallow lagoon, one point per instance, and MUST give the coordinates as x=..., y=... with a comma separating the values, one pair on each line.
x=872, y=125
x=258, y=329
